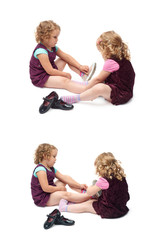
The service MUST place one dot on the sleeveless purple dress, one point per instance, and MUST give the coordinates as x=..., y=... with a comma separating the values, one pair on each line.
x=121, y=82
x=37, y=73
x=112, y=202
x=39, y=196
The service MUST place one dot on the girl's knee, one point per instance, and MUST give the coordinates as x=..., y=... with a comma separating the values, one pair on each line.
x=60, y=184
x=65, y=80
x=103, y=90
x=66, y=195
x=98, y=89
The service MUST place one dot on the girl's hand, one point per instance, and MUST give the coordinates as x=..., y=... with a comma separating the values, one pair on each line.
x=84, y=69
x=83, y=186
x=62, y=189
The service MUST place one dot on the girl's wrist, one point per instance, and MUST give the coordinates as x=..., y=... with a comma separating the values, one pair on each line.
x=80, y=67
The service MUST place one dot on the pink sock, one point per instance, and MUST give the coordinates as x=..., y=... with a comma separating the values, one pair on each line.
x=81, y=83
x=71, y=99
x=70, y=203
x=63, y=205
x=83, y=191
x=82, y=74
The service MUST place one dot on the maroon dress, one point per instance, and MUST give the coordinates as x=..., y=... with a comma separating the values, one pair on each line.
x=121, y=82
x=37, y=73
x=39, y=196
x=112, y=202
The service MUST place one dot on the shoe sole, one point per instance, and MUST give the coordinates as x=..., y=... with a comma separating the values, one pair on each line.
x=91, y=73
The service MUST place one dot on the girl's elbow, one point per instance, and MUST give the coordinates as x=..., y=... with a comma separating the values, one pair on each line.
x=50, y=72
x=46, y=189
x=98, y=80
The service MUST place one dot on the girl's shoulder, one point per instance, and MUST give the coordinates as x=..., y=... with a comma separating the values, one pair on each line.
x=102, y=183
x=111, y=65
x=40, y=45
x=38, y=168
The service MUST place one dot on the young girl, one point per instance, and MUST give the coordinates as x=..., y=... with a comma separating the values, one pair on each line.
x=116, y=80
x=44, y=70
x=112, y=182
x=46, y=192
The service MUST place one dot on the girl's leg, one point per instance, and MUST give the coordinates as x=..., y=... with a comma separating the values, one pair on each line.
x=98, y=90
x=64, y=83
x=72, y=197
x=76, y=189
x=61, y=184
x=58, y=183
x=79, y=208
x=61, y=65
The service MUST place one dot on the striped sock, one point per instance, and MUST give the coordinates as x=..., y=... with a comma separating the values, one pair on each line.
x=83, y=191
x=70, y=203
x=71, y=99
x=63, y=205
x=82, y=74
x=81, y=83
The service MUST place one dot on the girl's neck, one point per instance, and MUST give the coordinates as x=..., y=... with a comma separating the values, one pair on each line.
x=45, y=164
x=46, y=45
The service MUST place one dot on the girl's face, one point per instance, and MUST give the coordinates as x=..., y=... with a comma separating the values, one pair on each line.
x=52, y=41
x=52, y=159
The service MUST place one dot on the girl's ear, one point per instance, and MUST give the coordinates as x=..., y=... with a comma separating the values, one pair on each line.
x=44, y=156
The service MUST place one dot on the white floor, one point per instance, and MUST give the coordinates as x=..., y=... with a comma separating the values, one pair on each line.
x=130, y=131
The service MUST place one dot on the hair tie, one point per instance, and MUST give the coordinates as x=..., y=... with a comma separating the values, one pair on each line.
x=99, y=41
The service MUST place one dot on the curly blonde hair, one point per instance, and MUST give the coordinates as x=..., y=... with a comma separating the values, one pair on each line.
x=111, y=45
x=43, y=150
x=45, y=29
x=107, y=166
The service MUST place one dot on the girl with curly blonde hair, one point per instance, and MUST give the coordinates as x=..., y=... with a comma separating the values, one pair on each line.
x=44, y=70
x=116, y=80
x=45, y=191
x=113, y=187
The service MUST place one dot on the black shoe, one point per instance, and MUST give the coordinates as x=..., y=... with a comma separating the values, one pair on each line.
x=52, y=217
x=48, y=101
x=61, y=220
x=60, y=104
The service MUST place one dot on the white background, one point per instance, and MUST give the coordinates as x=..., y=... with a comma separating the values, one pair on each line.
x=129, y=131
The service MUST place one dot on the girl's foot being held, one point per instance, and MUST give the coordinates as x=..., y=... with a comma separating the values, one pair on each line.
x=86, y=77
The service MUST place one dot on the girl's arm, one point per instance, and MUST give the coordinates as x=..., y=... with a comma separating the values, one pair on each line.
x=42, y=177
x=45, y=62
x=102, y=76
x=101, y=184
x=98, y=79
x=70, y=60
x=92, y=190
x=70, y=181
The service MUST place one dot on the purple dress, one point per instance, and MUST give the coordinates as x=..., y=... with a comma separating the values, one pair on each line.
x=121, y=82
x=39, y=196
x=112, y=202
x=37, y=73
